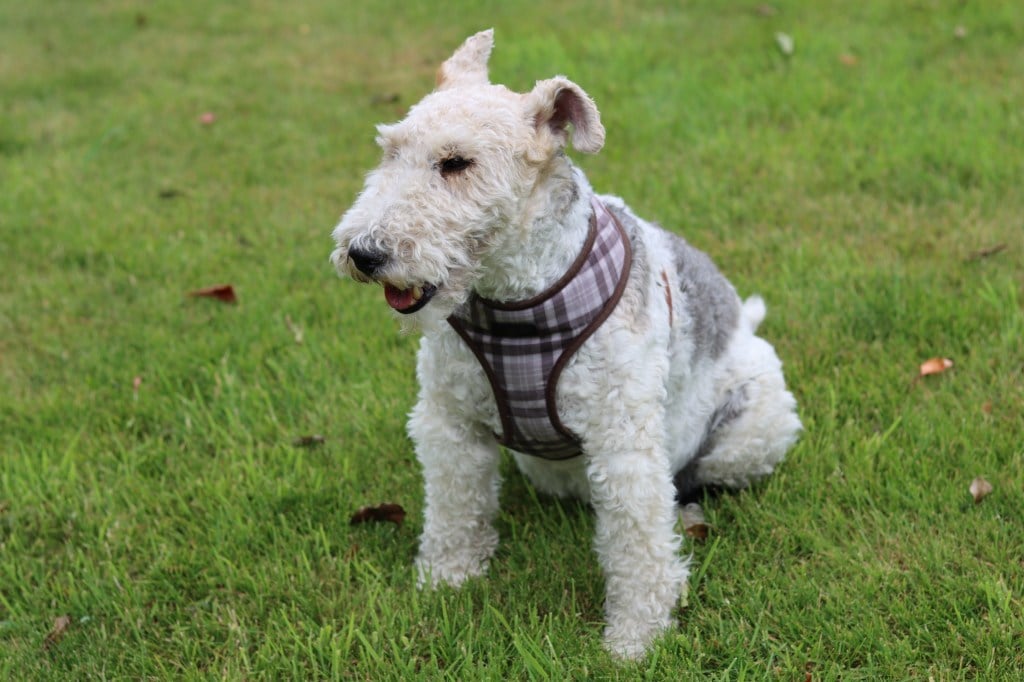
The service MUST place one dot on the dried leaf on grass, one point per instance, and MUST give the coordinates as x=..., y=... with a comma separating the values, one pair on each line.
x=980, y=489
x=847, y=59
x=309, y=441
x=986, y=253
x=385, y=98
x=935, y=366
x=382, y=512
x=295, y=329
x=694, y=525
x=222, y=292
x=57, y=632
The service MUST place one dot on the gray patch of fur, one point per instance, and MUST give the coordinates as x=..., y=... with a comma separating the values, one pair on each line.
x=710, y=299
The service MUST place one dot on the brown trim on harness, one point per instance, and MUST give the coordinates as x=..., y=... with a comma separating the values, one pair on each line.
x=577, y=343
x=668, y=296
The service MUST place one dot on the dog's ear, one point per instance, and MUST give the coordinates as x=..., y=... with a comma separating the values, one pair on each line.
x=557, y=102
x=468, y=65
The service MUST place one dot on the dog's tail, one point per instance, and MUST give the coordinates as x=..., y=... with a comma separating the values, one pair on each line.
x=753, y=312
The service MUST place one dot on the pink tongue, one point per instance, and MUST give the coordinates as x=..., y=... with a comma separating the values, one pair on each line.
x=399, y=299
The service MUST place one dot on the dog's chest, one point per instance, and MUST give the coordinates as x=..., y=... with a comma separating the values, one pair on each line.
x=523, y=347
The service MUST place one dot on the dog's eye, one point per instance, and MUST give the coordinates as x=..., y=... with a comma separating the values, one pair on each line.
x=455, y=164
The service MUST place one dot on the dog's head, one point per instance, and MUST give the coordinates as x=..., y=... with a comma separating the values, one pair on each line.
x=456, y=180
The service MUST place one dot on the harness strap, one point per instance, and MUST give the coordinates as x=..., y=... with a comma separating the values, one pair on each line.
x=524, y=346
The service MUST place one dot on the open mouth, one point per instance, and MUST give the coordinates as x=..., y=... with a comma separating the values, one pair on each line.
x=409, y=300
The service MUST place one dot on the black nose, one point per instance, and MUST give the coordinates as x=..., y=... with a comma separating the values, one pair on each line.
x=367, y=261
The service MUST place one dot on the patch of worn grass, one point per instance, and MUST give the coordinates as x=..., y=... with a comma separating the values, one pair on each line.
x=851, y=183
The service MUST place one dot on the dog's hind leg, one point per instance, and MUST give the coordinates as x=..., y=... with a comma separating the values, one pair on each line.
x=750, y=431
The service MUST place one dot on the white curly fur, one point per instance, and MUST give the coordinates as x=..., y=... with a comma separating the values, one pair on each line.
x=676, y=367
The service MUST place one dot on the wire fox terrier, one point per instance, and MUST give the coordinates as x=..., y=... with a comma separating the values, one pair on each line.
x=611, y=358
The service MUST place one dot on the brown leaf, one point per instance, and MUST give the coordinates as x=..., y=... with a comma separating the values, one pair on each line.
x=385, y=98
x=295, y=329
x=935, y=366
x=382, y=512
x=848, y=59
x=57, y=632
x=698, y=531
x=986, y=253
x=980, y=489
x=223, y=292
x=309, y=441
x=694, y=525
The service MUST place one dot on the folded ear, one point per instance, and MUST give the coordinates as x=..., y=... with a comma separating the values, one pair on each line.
x=556, y=103
x=468, y=65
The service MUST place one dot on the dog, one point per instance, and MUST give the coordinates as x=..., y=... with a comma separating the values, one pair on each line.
x=609, y=357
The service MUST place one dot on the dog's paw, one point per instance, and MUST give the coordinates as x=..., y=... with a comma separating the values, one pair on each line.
x=433, y=573
x=451, y=559
x=631, y=642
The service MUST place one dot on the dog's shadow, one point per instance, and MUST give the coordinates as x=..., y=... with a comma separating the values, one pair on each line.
x=546, y=543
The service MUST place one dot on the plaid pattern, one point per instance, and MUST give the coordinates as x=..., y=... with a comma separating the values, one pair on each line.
x=524, y=346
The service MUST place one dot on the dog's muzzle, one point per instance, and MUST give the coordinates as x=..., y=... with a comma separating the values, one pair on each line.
x=370, y=262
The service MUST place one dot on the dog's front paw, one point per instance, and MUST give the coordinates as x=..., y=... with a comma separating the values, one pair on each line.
x=630, y=641
x=447, y=570
x=452, y=558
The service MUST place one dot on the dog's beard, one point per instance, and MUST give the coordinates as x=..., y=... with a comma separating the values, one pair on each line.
x=433, y=316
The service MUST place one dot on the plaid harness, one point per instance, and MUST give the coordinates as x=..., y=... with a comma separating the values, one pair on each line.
x=523, y=346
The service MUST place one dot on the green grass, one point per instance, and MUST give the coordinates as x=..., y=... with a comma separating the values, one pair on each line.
x=187, y=538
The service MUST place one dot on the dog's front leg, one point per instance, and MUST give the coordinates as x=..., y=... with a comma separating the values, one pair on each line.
x=636, y=543
x=460, y=470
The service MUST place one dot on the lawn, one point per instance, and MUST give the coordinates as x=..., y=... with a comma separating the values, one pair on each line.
x=164, y=511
